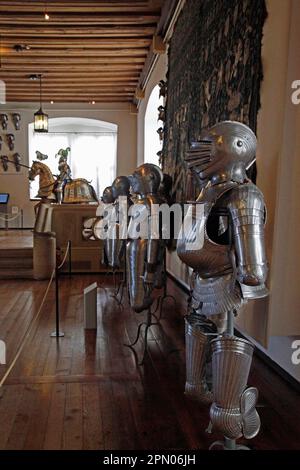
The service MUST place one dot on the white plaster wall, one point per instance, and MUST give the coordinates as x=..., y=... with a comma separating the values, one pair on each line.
x=159, y=73
x=118, y=113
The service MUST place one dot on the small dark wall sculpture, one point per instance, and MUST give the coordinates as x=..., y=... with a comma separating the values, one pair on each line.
x=10, y=141
x=16, y=118
x=17, y=160
x=160, y=132
x=4, y=121
x=41, y=156
x=162, y=88
x=161, y=113
x=159, y=154
x=4, y=160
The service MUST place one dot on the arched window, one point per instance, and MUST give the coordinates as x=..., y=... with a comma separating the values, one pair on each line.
x=93, y=147
x=152, y=142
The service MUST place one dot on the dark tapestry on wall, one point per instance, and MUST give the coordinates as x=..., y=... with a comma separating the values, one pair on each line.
x=214, y=74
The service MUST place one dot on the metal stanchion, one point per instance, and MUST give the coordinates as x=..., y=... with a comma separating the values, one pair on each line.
x=70, y=258
x=57, y=333
x=26, y=336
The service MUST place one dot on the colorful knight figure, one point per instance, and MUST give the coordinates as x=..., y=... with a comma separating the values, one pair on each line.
x=144, y=253
x=115, y=244
x=64, y=175
x=229, y=268
x=63, y=167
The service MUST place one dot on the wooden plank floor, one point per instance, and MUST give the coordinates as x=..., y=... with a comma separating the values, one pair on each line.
x=11, y=239
x=86, y=391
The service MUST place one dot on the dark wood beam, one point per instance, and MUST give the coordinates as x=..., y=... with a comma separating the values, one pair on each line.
x=168, y=10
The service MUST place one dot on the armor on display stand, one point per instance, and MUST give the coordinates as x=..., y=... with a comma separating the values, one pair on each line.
x=117, y=244
x=119, y=188
x=144, y=254
x=228, y=269
x=108, y=200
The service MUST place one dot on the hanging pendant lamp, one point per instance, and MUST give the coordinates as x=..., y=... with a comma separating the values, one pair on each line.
x=40, y=118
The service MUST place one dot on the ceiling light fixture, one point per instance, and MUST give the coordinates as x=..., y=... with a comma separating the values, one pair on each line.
x=40, y=118
x=46, y=15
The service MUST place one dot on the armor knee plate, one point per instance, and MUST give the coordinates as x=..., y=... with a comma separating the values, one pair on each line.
x=197, y=359
x=233, y=412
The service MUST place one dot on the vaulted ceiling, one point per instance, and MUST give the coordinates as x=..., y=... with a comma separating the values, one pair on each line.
x=86, y=50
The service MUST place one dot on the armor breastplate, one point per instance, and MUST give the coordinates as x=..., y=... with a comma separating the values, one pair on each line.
x=213, y=258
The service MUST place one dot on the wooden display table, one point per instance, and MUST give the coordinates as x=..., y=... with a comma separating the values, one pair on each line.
x=68, y=224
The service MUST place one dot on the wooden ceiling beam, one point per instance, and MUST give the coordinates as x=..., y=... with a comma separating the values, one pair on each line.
x=60, y=42
x=75, y=83
x=83, y=32
x=67, y=60
x=83, y=68
x=78, y=88
x=76, y=100
x=81, y=20
x=88, y=50
x=81, y=6
x=70, y=99
x=62, y=96
x=72, y=78
x=167, y=12
x=70, y=52
x=101, y=73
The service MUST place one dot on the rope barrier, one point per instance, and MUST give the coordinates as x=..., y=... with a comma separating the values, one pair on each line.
x=37, y=316
x=27, y=334
x=65, y=257
x=8, y=218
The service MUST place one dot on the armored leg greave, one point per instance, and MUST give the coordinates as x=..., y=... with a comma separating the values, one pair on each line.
x=198, y=336
x=233, y=410
x=135, y=258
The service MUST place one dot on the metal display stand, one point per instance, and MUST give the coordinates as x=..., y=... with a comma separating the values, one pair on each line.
x=165, y=295
x=148, y=323
x=151, y=314
x=57, y=333
x=122, y=285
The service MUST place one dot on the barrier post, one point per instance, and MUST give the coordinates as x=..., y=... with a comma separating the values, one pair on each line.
x=70, y=258
x=57, y=333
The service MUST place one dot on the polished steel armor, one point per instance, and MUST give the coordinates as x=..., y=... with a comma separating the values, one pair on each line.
x=108, y=199
x=115, y=245
x=228, y=269
x=144, y=254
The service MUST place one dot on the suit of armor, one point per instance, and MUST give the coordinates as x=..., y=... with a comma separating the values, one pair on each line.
x=108, y=200
x=144, y=255
x=228, y=269
x=115, y=246
x=63, y=178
